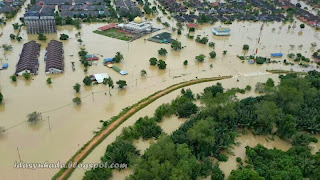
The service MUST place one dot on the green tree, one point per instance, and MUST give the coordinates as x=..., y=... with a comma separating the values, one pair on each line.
x=76, y=100
x=64, y=37
x=109, y=82
x=162, y=52
x=225, y=52
x=19, y=38
x=1, y=97
x=121, y=83
x=77, y=87
x=34, y=117
x=143, y=72
x=7, y=47
x=162, y=64
x=87, y=81
x=16, y=26
x=211, y=44
x=153, y=61
x=49, y=80
x=212, y=54
x=286, y=127
x=12, y=36
x=13, y=78
x=245, y=47
x=42, y=37
x=176, y=45
x=201, y=136
x=244, y=174
x=118, y=57
x=186, y=109
x=217, y=174
x=302, y=26
x=185, y=62
x=200, y=58
x=267, y=113
x=26, y=75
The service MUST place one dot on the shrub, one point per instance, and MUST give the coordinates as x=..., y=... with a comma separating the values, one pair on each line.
x=76, y=100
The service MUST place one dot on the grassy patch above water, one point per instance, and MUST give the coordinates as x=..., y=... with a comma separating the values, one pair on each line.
x=114, y=33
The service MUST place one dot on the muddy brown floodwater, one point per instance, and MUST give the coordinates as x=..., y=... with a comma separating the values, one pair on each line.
x=72, y=126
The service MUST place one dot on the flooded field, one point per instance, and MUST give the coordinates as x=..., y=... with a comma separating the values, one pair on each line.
x=250, y=140
x=72, y=126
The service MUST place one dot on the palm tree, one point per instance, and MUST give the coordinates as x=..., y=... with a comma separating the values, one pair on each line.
x=109, y=81
x=118, y=57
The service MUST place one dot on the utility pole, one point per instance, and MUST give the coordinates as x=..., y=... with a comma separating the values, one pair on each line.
x=93, y=96
x=49, y=123
x=19, y=154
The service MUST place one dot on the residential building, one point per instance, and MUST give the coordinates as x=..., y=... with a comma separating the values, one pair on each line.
x=54, y=57
x=28, y=61
x=40, y=19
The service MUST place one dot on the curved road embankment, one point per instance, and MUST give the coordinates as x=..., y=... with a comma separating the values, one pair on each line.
x=118, y=120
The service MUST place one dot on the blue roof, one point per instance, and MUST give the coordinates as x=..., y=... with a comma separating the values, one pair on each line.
x=90, y=56
x=108, y=59
x=276, y=54
x=5, y=66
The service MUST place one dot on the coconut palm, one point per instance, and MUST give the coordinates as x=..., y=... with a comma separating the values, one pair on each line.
x=118, y=57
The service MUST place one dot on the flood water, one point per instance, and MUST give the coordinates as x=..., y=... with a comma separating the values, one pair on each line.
x=72, y=126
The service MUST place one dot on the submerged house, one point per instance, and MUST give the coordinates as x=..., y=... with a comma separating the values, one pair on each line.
x=28, y=61
x=54, y=57
x=221, y=31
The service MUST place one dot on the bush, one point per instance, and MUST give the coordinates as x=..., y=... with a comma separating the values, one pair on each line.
x=162, y=64
x=164, y=110
x=185, y=110
x=26, y=75
x=248, y=88
x=153, y=61
x=76, y=100
x=49, y=81
x=64, y=37
x=13, y=78
x=200, y=58
x=162, y=52
x=222, y=157
x=185, y=62
x=245, y=47
x=212, y=54
x=42, y=37
x=121, y=83
x=34, y=117
x=77, y=87
x=87, y=81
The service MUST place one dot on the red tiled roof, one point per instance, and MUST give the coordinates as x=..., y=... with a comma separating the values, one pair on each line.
x=106, y=27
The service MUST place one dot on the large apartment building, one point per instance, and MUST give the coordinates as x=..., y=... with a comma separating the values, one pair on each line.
x=40, y=19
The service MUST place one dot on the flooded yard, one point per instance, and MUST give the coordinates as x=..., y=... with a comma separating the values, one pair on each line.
x=66, y=127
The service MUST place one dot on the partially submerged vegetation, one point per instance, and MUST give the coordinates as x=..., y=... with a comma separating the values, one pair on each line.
x=289, y=107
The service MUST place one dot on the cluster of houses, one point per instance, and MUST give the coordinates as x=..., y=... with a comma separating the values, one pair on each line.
x=126, y=7
x=172, y=6
x=8, y=6
x=232, y=10
x=302, y=14
x=29, y=63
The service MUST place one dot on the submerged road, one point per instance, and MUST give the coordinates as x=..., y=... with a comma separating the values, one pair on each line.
x=96, y=140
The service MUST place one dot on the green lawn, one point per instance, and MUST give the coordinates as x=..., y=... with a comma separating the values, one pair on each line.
x=113, y=33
